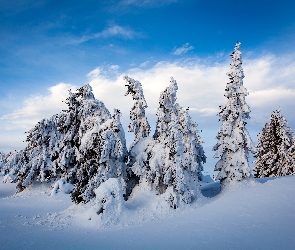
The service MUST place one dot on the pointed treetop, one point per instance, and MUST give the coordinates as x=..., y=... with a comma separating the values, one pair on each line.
x=134, y=88
x=85, y=92
x=237, y=46
x=139, y=123
x=168, y=96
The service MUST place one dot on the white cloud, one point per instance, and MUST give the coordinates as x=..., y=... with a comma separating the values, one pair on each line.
x=114, y=68
x=37, y=107
x=94, y=73
x=183, y=49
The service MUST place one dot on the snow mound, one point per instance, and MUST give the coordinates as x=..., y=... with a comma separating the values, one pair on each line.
x=62, y=186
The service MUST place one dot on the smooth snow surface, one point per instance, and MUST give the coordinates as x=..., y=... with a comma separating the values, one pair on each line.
x=250, y=215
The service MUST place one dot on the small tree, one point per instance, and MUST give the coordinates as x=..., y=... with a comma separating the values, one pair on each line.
x=234, y=142
x=274, y=148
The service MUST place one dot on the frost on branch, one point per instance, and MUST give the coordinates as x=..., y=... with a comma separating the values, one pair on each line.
x=171, y=162
x=275, y=148
x=233, y=140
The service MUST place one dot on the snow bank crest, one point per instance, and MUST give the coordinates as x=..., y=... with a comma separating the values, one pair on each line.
x=239, y=185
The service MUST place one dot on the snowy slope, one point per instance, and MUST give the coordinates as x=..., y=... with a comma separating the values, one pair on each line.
x=249, y=216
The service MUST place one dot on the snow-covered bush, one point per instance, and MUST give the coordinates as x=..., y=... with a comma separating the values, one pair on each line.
x=275, y=148
x=171, y=161
x=62, y=186
x=234, y=142
x=12, y=163
x=109, y=201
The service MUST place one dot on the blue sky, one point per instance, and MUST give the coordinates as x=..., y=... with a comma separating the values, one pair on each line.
x=47, y=47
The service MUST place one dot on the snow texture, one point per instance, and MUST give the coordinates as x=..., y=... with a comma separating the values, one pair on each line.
x=235, y=218
x=233, y=140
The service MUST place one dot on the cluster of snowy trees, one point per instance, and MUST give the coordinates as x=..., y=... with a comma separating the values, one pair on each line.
x=170, y=161
x=85, y=146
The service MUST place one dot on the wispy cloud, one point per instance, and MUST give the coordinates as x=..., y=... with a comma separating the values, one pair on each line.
x=183, y=49
x=112, y=31
x=144, y=64
x=148, y=3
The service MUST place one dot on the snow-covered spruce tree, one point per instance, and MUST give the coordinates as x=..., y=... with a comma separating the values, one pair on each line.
x=172, y=161
x=139, y=125
x=290, y=166
x=103, y=155
x=13, y=162
x=38, y=158
x=84, y=114
x=234, y=142
x=194, y=154
x=56, y=146
x=2, y=160
x=274, y=152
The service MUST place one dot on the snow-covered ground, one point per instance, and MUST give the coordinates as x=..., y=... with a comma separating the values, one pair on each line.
x=248, y=216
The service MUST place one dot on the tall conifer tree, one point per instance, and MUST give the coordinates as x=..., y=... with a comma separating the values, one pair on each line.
x=233, y=140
